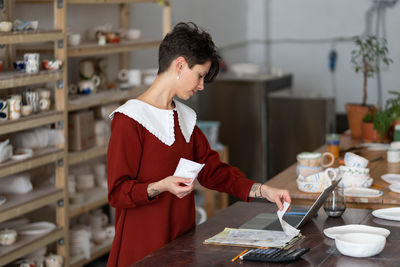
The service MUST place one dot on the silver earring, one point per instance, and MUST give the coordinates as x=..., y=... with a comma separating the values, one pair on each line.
x=177, y=77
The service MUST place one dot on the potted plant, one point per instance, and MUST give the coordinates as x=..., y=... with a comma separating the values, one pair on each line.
x=390, y=116
x=368, y=50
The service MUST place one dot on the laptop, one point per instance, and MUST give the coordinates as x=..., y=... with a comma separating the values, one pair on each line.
x=270, y=221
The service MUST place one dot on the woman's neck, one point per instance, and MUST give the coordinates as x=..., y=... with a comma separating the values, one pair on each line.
x=160, y=94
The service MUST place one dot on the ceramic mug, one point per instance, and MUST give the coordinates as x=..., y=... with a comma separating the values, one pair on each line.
x=19, y=65
x=32, y=98
x=74, y=39
x=44, y=104
x=354, y=160
x=307, y=171
x=3, y=110
x=31, y=62
x=5, y=26
x=44, y=93
x=14, y=103
x=354, y=177
x=393, y=155
x=98, y=221
x=86, y=87
x=317, y=182
x=133, y=76
x=315, y=159
x=26, y=110
x=98, y=235
x=86, y=69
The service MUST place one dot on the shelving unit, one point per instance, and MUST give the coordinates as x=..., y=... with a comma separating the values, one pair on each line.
x=18, y=205
x=98, y=196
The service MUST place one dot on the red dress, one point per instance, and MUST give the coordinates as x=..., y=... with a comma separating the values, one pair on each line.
x=137, y=158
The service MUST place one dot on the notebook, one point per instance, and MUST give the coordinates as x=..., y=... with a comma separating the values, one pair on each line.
x=270, y=221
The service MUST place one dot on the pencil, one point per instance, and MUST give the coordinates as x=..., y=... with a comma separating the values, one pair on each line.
x=240, y=254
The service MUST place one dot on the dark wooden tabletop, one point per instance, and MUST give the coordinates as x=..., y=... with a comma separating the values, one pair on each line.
x=188, y=250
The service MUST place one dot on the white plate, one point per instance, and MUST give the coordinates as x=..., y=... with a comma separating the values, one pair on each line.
x=388, y=214
x=2, y=200
x=395, y=188
x=362, y=192
x=332, y=232
x=376, y=146
x=36, y=228
x=391, y=178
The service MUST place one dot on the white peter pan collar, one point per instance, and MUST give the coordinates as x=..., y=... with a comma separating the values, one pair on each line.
x=160, y=122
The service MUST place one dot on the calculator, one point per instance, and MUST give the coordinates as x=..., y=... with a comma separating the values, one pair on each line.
x=274, y=254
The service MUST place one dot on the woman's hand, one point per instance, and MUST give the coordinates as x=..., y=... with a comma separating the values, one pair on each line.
x=270, y=193
x=174, y=185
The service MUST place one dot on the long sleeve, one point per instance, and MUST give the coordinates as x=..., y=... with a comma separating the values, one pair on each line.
x=216, y=174
x=123, y=161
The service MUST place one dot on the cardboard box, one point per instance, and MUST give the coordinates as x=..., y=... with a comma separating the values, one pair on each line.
x=81, y=130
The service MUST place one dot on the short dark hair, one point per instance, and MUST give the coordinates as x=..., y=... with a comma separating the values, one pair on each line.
x=192, y=43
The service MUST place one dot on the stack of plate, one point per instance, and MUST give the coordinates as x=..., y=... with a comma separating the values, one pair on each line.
x=393, y=180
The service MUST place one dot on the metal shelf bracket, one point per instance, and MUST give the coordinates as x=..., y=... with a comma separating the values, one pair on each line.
x=60, y=203
x=61, y=242
x=60, y=163
x=1, y=4
x=60, y=3
x=60, y=84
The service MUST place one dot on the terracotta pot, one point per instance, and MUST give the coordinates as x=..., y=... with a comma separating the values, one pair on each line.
x=355, y=115
x=369, y=134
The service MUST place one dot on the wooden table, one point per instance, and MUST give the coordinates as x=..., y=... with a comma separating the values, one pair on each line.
x=287, y=179
x=188, y=249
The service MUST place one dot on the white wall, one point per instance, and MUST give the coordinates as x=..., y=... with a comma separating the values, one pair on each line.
x=240, y=29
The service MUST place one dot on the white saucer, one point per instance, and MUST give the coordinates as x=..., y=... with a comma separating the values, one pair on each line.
x=395, y=188
x=36, y=228
x=376, y=146
x=391, y=178
x=362, y=192
x=388, y=214
x=332, y=232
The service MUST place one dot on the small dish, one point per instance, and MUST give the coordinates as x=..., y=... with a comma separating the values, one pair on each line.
x=52, y=64
x=36, y=228
x=360, y=245
x=362, y=192
x=391, y=178
x=332, y=232
x=376, y=146
x=388, y=214
x=22, y=153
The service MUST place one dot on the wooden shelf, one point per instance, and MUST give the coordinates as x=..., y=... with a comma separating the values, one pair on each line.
x=87, y=1
x=32, y=121
x=40, y=158
x=93, y=49
x=17, y=205
x=9, y=79
x=91, y=153
x=27, y=244
x=31, y=36
x=95, y=252
x=96, y=197
x=102, y=98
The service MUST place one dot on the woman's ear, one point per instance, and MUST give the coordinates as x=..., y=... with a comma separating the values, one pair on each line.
x=179, y=64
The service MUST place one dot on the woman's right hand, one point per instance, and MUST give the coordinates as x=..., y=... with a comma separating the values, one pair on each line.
x=174, y=185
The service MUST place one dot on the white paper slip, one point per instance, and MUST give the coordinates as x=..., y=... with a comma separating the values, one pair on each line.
x=188, y=169
x=287, y=228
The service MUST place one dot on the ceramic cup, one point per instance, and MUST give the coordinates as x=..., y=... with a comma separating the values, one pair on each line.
x=133, y=34
x=44, y=104
x=86, y=87
x=393, y=155
x=8, y=237
x=5, y=26
x=315, y=159
x=44, y=93
x=19, y=65
x=32, y=98
x=3, y=110
x=97, y=221
x=31, y=62
x=354, y=160
x=133, y=76
x=26, y=110
x=354, y=177
x=86, y=69
x=74, y=39
x=99, y=235
x=14, y=103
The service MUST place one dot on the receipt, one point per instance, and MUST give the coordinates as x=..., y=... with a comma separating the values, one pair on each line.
x=287, y=228
x=188, y=169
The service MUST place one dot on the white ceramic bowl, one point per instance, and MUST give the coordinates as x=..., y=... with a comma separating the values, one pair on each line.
x=360, y=244
x=8, y=237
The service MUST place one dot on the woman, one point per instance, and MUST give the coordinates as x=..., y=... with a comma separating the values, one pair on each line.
x=149, y=136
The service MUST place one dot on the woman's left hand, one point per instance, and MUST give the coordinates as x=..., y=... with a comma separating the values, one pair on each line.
x=275, y=195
